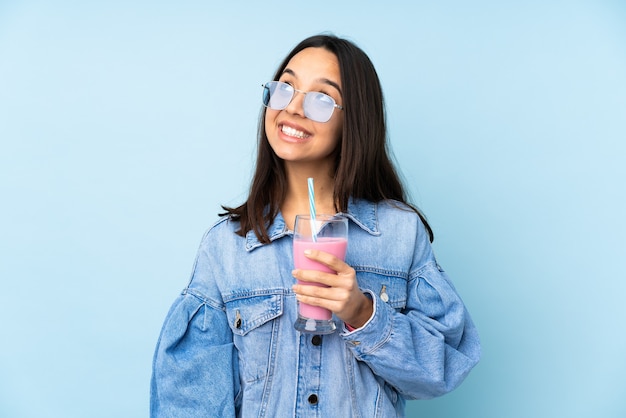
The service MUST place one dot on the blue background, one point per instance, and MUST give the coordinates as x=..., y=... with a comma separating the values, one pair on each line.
x=124, y=126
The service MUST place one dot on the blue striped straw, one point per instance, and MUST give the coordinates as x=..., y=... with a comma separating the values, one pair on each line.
x=312, y=208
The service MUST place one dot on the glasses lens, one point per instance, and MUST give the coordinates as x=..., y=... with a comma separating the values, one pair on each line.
x=277, y=95
x=318, y=106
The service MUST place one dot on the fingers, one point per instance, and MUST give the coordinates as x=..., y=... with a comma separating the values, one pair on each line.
x=328, y=260
x=337, y=291
x=349, y=303
x=346, y=280
x=321, y=291
x=333, y=299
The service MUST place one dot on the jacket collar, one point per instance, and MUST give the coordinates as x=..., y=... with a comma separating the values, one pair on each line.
x=361, y=212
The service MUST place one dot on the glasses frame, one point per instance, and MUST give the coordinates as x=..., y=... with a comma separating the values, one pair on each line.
x=295, y=90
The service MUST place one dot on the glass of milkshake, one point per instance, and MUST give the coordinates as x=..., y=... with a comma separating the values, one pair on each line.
x=328, y=233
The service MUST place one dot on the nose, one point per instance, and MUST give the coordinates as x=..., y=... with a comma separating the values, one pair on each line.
x=296, y=105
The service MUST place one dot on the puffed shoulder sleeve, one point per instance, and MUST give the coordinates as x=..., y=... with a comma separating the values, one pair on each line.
x=194, y=363
x=434, y=336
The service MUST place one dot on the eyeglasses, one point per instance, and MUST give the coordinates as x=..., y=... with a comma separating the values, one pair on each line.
x=317, y=106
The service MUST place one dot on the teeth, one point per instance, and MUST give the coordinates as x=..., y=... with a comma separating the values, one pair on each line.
x=293, y=132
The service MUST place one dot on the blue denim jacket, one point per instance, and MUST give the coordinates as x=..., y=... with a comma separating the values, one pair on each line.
x=228, y=347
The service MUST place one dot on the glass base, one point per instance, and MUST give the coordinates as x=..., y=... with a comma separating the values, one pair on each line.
x=315, y=326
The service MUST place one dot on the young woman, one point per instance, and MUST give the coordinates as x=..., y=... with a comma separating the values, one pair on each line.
x=228, y=346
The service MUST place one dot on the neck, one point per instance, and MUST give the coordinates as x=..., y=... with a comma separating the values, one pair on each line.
x=297, y=197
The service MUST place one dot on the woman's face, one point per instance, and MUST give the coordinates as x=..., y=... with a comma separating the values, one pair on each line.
x=293, y=137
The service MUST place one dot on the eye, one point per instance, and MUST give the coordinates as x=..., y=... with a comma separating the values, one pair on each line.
x=286, y=86
x=286, y=81
x=330, y=92
x=325, y=99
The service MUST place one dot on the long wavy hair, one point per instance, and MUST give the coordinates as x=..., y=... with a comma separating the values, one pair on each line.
x=363, y=167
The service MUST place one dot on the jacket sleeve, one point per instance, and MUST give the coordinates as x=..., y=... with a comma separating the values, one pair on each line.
x=428, y=348
x=194, y=364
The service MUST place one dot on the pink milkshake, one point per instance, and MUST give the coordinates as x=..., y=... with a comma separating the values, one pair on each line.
x=334, y=246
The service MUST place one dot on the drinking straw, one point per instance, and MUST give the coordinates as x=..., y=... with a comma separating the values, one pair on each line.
x=312, y=208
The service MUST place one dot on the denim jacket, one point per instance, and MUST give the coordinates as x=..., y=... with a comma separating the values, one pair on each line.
x=228, y=347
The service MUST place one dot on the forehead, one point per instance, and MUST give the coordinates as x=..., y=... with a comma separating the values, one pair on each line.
x=314, y=64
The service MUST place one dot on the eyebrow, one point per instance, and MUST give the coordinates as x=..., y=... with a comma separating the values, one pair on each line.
x=320, y=80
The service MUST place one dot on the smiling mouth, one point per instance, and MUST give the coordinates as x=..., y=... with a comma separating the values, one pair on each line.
x=294, y=133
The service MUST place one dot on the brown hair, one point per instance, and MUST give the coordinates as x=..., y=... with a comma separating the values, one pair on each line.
x=363, y=168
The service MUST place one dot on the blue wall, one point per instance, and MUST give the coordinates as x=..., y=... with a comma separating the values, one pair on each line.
x=124, y=126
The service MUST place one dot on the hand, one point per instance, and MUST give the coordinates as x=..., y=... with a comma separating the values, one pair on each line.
x=342, y=296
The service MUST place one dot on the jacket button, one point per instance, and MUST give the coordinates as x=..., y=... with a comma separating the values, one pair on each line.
x=383, y=294
x=237, y=320
x=316, y=340
x=313, y=399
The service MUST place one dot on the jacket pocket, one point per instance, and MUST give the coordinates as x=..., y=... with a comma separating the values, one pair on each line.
x=389, y=287
x=251, y=318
